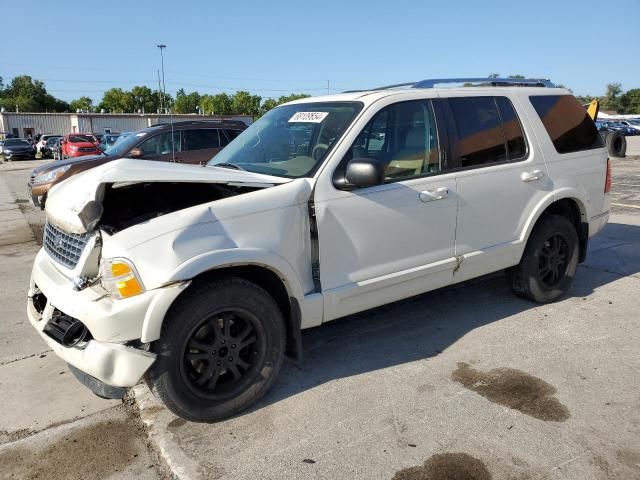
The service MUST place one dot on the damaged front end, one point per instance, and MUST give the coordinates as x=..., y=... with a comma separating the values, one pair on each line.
x=87, y=299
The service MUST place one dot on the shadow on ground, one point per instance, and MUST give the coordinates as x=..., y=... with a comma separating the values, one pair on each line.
x=424, y=326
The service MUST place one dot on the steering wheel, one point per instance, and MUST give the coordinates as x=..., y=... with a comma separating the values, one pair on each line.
x=319, y=150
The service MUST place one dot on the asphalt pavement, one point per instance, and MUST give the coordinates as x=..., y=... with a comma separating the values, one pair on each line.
x=470, y=378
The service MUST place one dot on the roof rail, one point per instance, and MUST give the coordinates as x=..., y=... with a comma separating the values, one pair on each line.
x=218, y=121
x=494, y=82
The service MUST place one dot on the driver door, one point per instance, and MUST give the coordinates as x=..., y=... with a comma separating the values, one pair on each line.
x=383, y=243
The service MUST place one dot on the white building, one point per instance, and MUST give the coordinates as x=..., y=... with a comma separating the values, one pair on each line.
x=25, y=124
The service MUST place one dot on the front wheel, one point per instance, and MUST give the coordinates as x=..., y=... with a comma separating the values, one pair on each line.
x=549, y=262
x=221, y=347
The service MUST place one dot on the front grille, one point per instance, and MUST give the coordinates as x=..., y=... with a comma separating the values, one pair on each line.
x=86, y=149
x=64, y=248
x=32, y=178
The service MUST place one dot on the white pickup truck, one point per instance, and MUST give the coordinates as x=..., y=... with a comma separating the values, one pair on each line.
x=200, y=279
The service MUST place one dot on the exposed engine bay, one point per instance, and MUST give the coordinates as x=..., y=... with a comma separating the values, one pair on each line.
x=128, y=204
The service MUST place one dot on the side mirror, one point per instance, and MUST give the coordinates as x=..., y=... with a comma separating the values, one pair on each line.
x=135, y=152
x=364, y=172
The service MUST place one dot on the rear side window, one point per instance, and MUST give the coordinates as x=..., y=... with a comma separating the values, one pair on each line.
x=567, y=123
x=201, y=139
x=516, y=146
x=480, y=136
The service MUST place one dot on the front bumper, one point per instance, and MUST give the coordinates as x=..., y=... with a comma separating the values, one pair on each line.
x=111, y=323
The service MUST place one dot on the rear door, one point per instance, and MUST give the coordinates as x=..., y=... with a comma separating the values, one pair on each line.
x=201, y=144
x=501, y=177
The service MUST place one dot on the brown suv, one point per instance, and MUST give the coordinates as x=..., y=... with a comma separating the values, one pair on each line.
x=192, y=142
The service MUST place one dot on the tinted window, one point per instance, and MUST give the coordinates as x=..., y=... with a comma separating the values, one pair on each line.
x=567, y=123
x=516, y=146
x=480, y=136
x=404, y=137
x=201, y=139
x=233, y=134
x=161, y=144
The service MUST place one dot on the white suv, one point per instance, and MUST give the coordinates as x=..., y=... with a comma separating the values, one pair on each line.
x=200, y=279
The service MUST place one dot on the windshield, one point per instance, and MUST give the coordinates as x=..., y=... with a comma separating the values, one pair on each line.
x=15, y=143
x=81, y=139
x=123, y=144
x=289, y=141
x=634, y=122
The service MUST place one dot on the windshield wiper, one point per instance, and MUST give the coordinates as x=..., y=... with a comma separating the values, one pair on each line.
x=232, y=166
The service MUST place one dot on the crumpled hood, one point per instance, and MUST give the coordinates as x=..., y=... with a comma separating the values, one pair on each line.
x=67, y=199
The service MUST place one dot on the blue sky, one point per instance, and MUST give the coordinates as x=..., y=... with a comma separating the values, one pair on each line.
x=278, y=47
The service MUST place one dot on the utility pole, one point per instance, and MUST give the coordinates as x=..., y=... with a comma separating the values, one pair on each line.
x=160, y=93
x=164, y=88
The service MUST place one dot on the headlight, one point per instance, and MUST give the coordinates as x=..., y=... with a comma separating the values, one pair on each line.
x=119, y=278
x=51, y=175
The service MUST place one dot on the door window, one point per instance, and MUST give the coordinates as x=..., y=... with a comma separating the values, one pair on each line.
x=480, y=136
x=513, y=134
x=201, y=139
x=162, y=144
x=404, y=138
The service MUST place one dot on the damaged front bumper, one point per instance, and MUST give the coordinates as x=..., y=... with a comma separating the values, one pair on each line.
x=105, y=353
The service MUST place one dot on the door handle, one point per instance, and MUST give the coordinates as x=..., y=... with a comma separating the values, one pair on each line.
x=531, y=176
x=432, y=195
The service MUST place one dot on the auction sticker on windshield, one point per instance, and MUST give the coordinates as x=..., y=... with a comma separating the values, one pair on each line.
x=309, y=117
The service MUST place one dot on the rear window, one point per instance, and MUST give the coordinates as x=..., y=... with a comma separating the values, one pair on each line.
x=567, y=123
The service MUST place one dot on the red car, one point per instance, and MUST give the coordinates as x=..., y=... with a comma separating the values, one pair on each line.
x=79, y=144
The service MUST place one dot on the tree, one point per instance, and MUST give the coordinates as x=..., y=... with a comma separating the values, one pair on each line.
x=116, y=100
x=186, y=103
x=219, y=104
x=630, y=101
x=494, y=75
x=28, y=95
x=144, y=99
x=243, y=103
x=611, y=100
x=83, y=103
x=270, y=103
x=517, y=76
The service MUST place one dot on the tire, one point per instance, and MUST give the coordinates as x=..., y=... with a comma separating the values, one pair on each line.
x=616, y=144
x=210, y=322
x=536, y=277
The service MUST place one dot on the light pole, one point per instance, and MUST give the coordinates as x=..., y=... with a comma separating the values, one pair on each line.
x=164, y=89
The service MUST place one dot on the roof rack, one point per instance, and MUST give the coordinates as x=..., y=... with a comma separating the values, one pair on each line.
x=222, y=121
x=494, y=82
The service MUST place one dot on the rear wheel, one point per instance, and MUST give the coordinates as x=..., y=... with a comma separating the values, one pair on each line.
x=549, y=262
x=221, y=347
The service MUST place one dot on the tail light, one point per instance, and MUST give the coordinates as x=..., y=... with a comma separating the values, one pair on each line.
x=607, y=180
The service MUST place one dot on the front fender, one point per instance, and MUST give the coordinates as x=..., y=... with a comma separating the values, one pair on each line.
x=181, y=277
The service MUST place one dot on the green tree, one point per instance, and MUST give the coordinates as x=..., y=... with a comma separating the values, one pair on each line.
x=630, y=101
x=186, y=103
x=611, y=99
x=270, y=103
x=29, y=95
x=243, y=103
x=144, y=99
x=219, y=104
x=494, y=75
x=517, y=76
x=116, y=100
x=83, y=103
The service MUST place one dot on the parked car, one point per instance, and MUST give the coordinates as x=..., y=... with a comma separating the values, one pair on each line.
x=199, y=280
x=631, y=123
x=40, y=144
x=46, y=150
x=626, y=131
x=181, y=142
x=78, y=145
x=56, y=149
x=18, y=149
x=107, y=140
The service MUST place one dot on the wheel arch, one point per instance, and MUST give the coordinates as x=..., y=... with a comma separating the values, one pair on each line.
x=276, y=277
x=569, y=204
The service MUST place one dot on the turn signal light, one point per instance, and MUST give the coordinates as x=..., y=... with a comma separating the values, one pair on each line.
x=120, y=278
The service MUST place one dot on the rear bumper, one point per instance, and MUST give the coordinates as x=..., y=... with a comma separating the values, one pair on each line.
x=597, y=223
